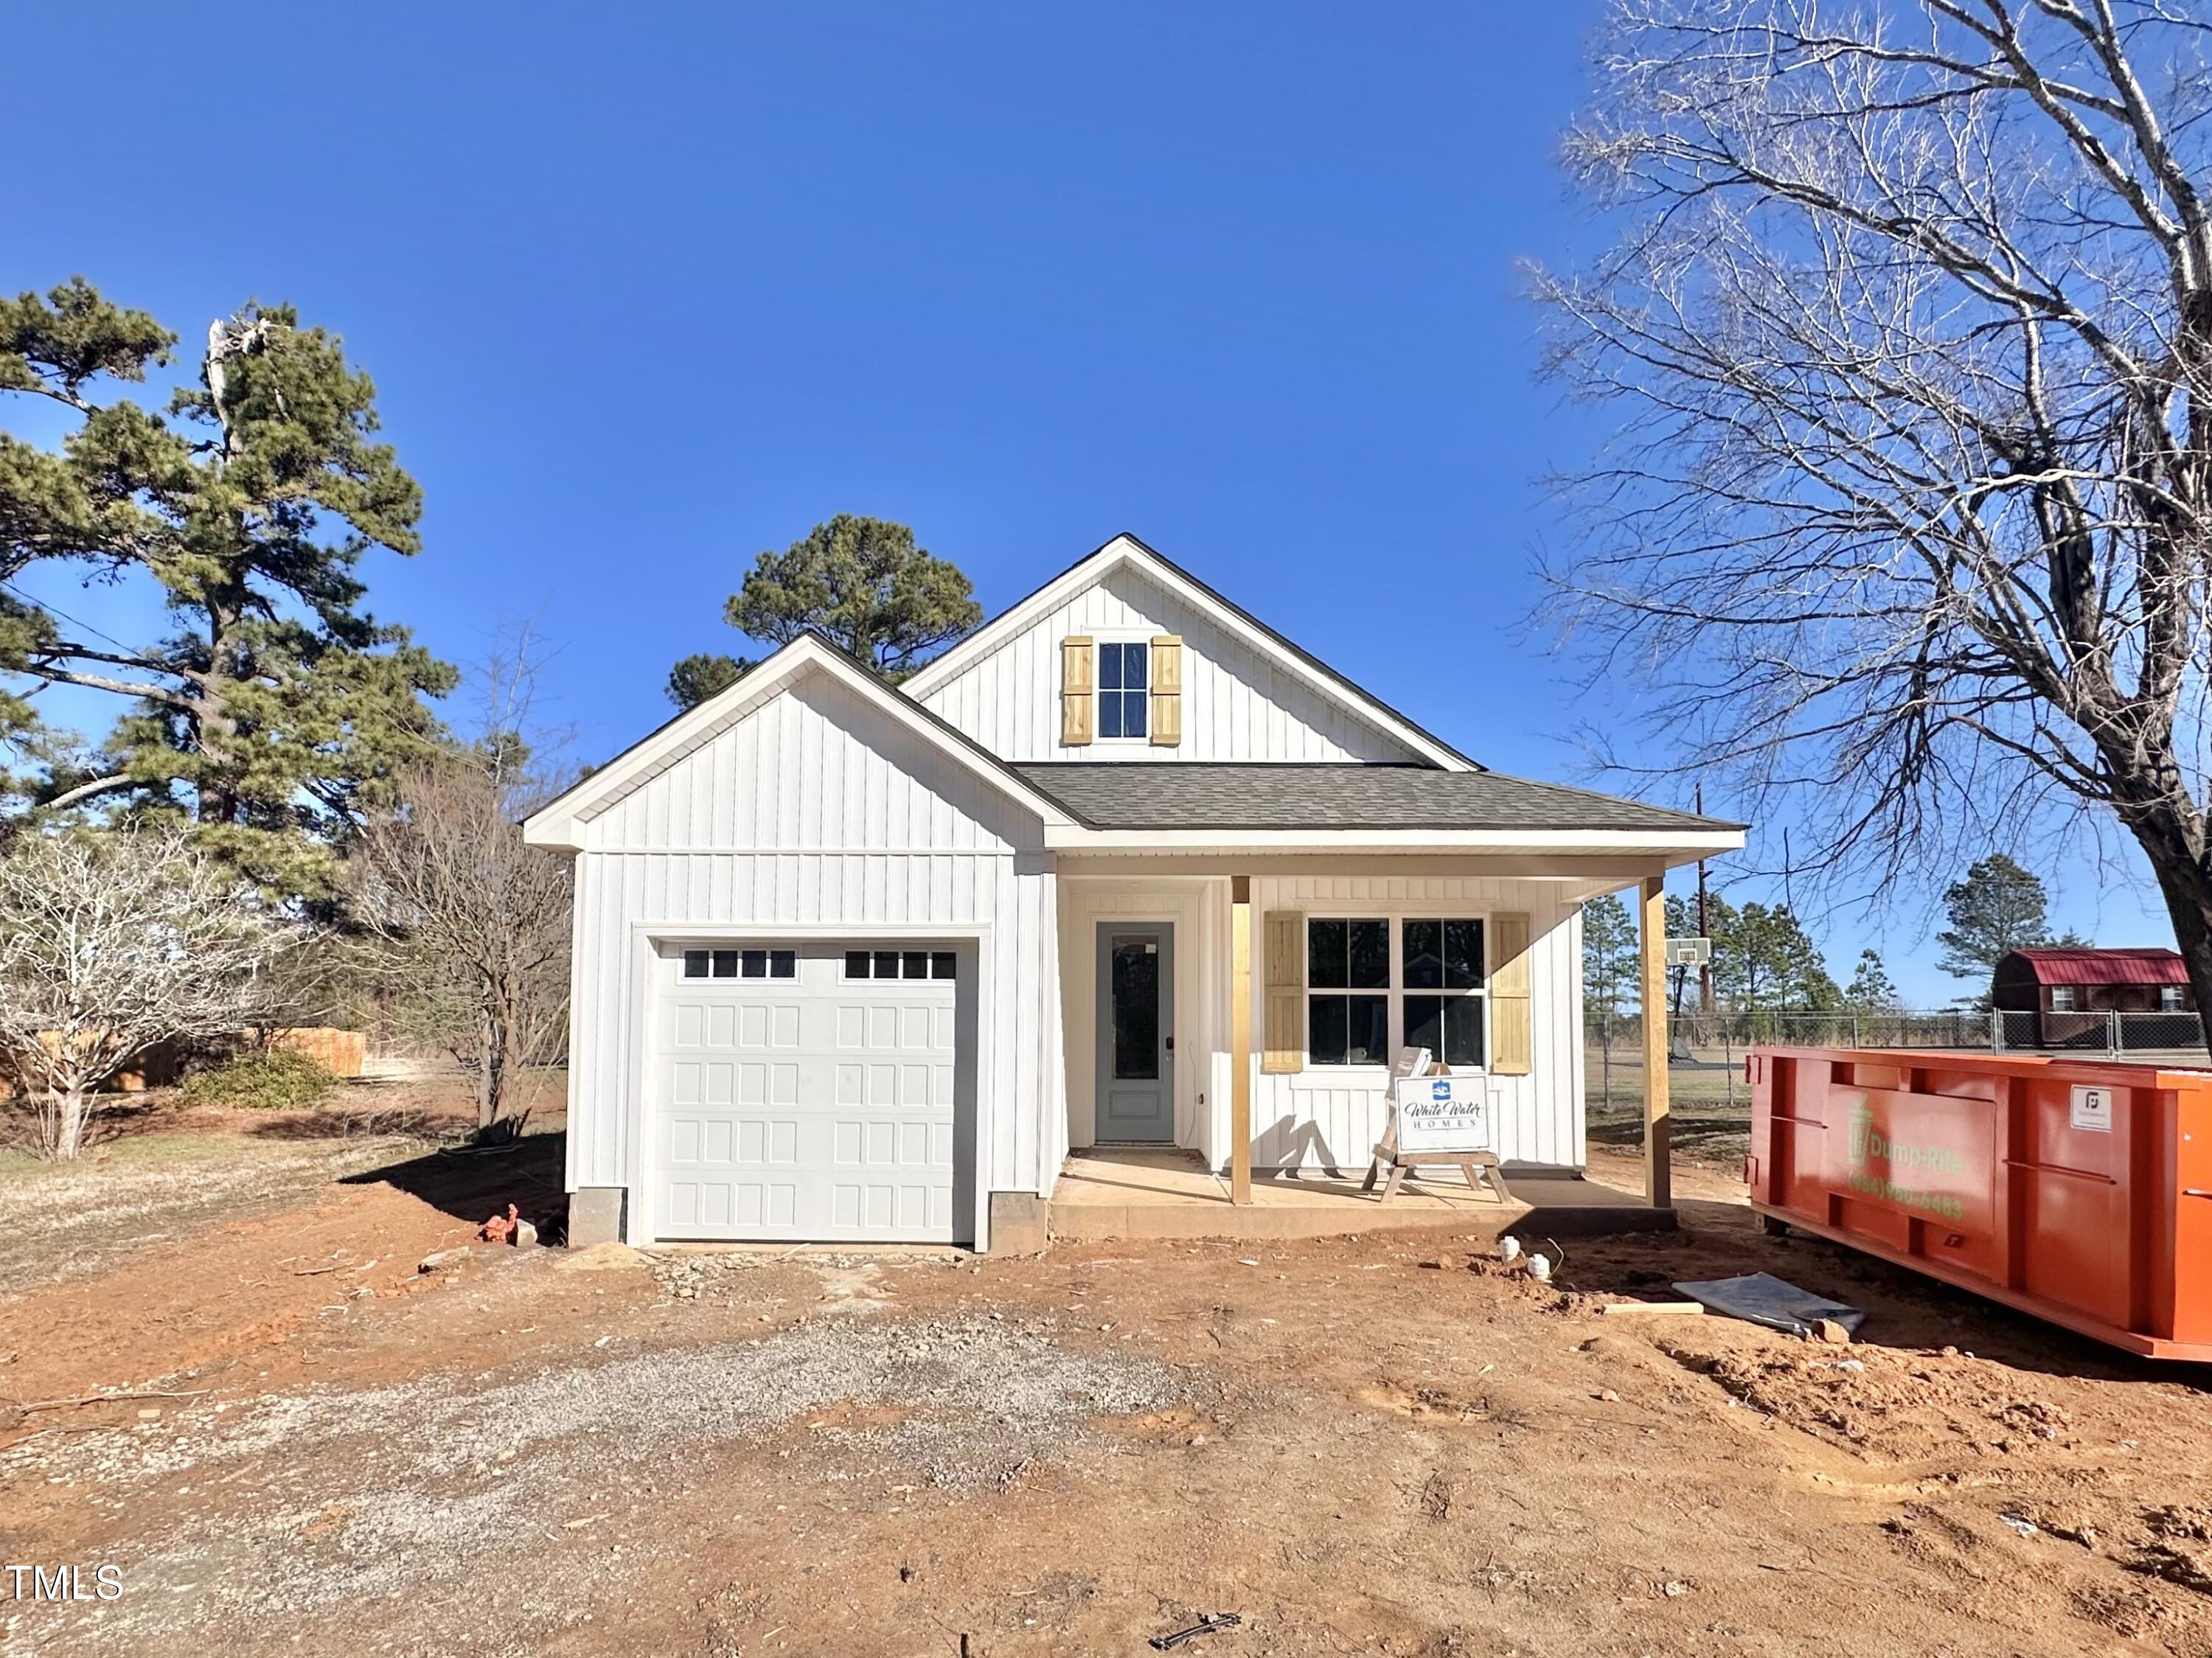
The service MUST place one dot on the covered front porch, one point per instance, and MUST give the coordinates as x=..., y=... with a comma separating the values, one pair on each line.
x=1240, y=1099
x=1132, y=1192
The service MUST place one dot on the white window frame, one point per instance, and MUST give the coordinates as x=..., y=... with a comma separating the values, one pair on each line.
x=1395, y=991
x=2170, y=1000
x=1099, y=691
x=2062, y=999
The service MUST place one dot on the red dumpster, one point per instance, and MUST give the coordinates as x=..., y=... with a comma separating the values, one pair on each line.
x=2079, y=1192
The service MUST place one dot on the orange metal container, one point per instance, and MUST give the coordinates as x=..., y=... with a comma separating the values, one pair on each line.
x=2079, y=1192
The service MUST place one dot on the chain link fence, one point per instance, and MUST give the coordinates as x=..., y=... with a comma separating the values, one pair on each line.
x=1707, y=1050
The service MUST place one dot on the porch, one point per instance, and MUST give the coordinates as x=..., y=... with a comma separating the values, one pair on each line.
x=1193, y=1081
x=1128, y=1193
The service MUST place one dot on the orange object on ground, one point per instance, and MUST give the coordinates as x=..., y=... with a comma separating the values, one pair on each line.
x=2079, y=1192
x=501, y=1229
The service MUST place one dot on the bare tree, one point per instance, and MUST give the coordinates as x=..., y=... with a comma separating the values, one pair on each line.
x=110, y=943
x=471, y=924
x=1908, y=330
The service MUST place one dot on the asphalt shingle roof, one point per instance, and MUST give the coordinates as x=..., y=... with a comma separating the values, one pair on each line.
x=1203, y=795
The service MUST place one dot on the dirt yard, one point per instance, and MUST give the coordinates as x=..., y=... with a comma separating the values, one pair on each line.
x=1380, y=1445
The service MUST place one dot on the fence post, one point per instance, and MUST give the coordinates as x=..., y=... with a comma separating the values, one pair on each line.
x=2114, y=1027
x=1996, y=1030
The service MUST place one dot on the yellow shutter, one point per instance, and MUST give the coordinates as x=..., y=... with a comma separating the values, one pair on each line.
x=1167, y=691
x=1076, y=684
x=1511, y=1037
x=1284, y=1038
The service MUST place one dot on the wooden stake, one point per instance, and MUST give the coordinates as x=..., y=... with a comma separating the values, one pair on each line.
x=1240, y=1039
x=1658, y=1123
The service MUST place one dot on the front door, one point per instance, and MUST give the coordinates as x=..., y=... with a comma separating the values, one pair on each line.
x=1136, y=1032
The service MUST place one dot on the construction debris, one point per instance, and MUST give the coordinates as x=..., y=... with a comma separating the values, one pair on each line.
x=509, y=1228
x=1685, y=1307
x=1208, y=1624
x=1762, y=1298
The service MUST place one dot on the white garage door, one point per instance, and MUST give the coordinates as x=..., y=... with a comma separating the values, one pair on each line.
x=807, y=1093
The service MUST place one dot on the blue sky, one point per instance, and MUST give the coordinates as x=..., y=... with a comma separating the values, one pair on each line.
x=648, y=289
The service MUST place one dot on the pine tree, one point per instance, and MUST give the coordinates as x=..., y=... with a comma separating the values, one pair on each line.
x=1763, y=961
x=706, y=674
x=865, y=586
x=1610, y=960
x=1996, y=908
x=1870, y=990
x=276, y=703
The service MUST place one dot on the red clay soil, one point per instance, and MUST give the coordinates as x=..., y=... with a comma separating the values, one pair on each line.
x=1385, y=1445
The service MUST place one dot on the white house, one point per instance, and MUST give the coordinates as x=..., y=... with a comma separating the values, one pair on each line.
x=855, y=962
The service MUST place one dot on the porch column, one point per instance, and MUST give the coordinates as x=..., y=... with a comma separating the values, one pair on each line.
x=1240, y=1039
x=1658, y=1125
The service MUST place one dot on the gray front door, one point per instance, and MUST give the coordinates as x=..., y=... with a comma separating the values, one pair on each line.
x=1136, y=1031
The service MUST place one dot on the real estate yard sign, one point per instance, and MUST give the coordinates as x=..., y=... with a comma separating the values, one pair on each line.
x=1443, y=1114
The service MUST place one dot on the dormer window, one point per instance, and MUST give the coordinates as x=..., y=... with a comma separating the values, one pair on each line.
x=1124, y=688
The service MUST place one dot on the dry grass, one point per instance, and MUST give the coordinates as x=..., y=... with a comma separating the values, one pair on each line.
x=66, y=1220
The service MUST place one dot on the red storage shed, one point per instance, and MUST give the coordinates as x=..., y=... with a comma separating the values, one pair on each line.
x=2067, y=992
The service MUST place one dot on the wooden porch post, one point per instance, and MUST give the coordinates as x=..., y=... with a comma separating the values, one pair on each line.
x=1240, y=1039
x=1658, y=1125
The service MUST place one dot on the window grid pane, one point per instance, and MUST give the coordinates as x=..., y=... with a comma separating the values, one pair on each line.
x=755, y=963
x=783, y=964
x=695, y=963
x=726, y=963
x=1370, y=949
x=887, y=964
x=1328, y=1028
x=856, y=963
x=1327, y=959
x=1424, y=955
x=943, y=964
x=1462, y=955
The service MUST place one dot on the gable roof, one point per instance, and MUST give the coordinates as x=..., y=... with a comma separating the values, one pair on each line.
x=2084, y=965
x=1276, y=795
x=1125, y=551
x=560, y=822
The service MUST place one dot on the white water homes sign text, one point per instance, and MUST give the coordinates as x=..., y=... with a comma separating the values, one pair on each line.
x=1443, y=1113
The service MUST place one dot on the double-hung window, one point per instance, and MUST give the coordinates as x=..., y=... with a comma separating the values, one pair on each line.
x=1444, y=981
x=1347, y=992
x=1125, y=676
x=1359, y=1011
x=2169, y=999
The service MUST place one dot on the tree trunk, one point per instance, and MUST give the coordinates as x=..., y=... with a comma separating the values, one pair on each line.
x=2189, y=901
x=488, y=1080
x=68, y=1126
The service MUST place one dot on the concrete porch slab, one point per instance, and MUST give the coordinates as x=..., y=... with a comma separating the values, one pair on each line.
x=1143, y=1194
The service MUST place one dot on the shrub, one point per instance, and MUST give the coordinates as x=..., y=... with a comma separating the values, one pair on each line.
x=262, y=1079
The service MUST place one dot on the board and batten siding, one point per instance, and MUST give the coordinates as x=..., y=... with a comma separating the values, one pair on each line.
x=815, y=812
x=1332, y=1117
x=1236, y=705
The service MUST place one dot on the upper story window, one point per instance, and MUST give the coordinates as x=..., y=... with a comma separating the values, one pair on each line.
x=1124, y=673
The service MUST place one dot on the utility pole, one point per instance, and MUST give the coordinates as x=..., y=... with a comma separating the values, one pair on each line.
x=1705, y=968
